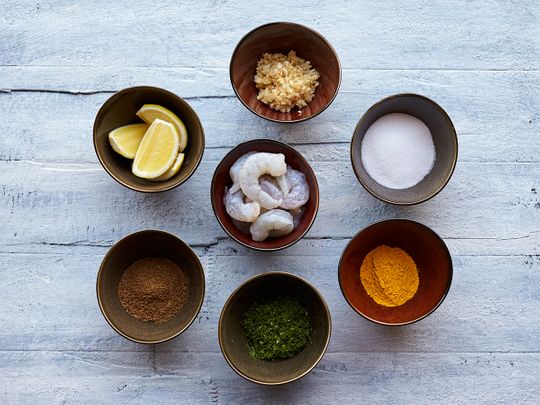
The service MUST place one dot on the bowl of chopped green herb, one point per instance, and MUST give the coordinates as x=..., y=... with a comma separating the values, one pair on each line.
x=274, y=328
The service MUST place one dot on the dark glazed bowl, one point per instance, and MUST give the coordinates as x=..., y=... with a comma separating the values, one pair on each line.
x=222, y=179
x=120, y=110
x=283, y=37
x=149, y=243
x=233, y=341
x=428, y=251
x=444, y=137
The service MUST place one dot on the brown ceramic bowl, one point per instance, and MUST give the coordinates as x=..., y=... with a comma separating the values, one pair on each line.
x=283, y=37
x=120, y=110
x=149, y=243
x=427, y=250
x=233, y=341
x=444, y=137
x=222, y=179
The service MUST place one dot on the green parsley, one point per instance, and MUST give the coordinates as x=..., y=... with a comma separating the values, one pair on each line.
x=276, y=329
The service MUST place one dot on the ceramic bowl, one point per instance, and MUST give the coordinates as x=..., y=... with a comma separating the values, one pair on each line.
x=425, y=247
x=120, y=110
x=222, y=179
x=283, y=37
x=444, y=138
x=234, y=344
x=149, y=243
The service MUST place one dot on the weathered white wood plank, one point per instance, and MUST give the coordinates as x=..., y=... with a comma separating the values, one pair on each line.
x=172, y=378
x=496, y=114
x=44, y=203
x=61, y=212
x=373, y=34
x=49, y=303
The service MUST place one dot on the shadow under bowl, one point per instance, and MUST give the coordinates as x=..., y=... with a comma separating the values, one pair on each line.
x=432, y=259
x=233, y=341
x=222, y=179
x=283, y=37
x=148, y=243
x=119, y=110
x=444, y=138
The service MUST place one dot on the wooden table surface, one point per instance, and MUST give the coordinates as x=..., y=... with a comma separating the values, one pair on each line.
x=60, y=60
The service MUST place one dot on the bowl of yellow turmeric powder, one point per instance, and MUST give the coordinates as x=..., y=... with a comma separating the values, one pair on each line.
x=395, y=272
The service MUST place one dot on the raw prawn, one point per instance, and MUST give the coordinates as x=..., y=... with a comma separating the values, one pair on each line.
x=299, y=192
x=234, y=171
x=254, y=167
x=272, y=223
x=270, y=186
x=284, y=184
x=238, y=209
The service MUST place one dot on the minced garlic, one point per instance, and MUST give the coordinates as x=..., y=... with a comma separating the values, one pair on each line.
x=285, y=82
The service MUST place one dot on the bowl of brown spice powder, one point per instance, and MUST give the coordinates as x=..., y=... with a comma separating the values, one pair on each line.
x=150, y=286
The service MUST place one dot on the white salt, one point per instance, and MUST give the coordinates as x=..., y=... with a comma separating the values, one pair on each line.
x=398, y=151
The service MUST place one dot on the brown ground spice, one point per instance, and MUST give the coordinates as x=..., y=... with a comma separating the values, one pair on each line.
x=153, y=289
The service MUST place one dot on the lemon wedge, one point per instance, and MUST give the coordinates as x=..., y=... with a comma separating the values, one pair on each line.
x=149, y=112
x=172, y=170
x=157, y=151
x=126, y=140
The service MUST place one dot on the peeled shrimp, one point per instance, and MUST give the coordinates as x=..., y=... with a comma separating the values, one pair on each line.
x=254, y=167
x=234, y=171
x=271, y=187
x=238, y=209
x=274, y=222
x=299, y=192
x=284, y=184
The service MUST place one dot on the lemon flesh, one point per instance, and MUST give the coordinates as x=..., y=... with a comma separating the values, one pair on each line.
x=149, y=112
x=126, y=140
x=172, y=170
x=157, y=151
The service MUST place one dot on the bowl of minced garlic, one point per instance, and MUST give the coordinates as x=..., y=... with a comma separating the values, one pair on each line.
x=285, y=72
x=395, y=272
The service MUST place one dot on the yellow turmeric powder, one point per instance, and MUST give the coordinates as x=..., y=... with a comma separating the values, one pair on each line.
x=389, y=276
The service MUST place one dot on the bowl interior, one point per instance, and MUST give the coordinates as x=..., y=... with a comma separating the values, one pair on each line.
x=234, y=343
x=122, y=255
x=427, y=250
x=284, y=37
x=444, y=138
x=222, y=179
x=120, y=110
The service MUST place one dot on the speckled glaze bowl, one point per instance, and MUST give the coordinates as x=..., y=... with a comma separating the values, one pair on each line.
x=120, y=110
x=222, y=179
x=283, y=37
x=148, y=243
x=234, y=344
x=432, y=259
x=444, y=137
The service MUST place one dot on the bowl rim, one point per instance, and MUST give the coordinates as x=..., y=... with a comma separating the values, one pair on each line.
x=330, y=101
x=446, y=290
x=106, y=105
x=101, y=270
x=454, y=160
x=249, y=281
x=214, y=202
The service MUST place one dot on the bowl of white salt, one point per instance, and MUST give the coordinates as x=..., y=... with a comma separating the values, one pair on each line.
x=404, y=149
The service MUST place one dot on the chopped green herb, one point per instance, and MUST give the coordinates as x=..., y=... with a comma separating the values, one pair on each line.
x=276, y=329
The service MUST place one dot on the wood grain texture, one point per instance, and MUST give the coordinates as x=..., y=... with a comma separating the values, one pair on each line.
x=60, y=60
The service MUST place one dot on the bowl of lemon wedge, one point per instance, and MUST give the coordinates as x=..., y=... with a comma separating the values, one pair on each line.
x=148, y=139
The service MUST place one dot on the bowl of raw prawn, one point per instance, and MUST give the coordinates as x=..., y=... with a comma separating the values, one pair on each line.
x=222, y=183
